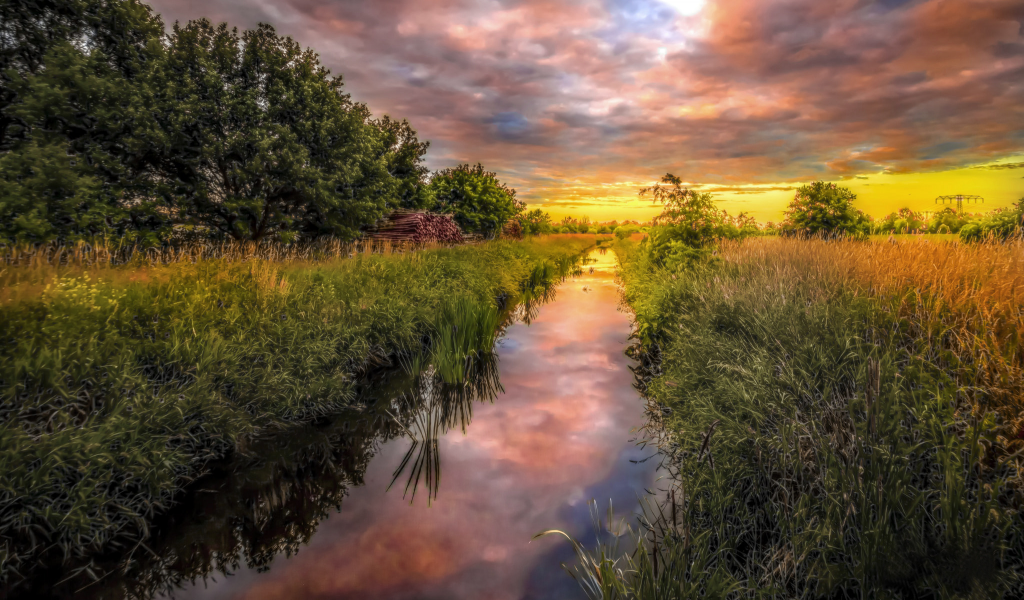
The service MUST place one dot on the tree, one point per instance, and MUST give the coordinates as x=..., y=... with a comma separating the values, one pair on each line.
x=251, y=137
x=475, y=198
x=825, y=209
x=69, y=81
x=536, y=222
x=109, y=126
x=689, y=216
x=946, y=221
x=118, y=32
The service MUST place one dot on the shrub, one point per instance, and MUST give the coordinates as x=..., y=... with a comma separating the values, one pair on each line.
x=624, y=231
x=999, y=224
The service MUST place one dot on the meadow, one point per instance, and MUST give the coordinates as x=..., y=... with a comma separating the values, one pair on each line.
x=124, y=375
x=840, y=419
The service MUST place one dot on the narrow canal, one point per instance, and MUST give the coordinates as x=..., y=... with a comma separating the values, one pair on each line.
x=560, y=434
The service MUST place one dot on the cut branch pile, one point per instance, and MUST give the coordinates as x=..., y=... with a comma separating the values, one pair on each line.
x=417, y=227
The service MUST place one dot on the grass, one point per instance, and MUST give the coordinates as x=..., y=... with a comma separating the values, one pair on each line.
x=120, y=383
x=840, y=420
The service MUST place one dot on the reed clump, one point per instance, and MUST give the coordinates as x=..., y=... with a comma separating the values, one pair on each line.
x=960, y=305
x=820, y=443
x=119, y=383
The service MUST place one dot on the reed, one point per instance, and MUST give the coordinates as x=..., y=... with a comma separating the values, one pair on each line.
x=820, y=443
x=959, y=305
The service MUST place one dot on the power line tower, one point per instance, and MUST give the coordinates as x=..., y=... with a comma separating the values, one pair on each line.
x=959, y=199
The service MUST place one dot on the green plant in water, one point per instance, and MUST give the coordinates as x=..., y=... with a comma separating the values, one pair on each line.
x=465, y=329
x=664, y=558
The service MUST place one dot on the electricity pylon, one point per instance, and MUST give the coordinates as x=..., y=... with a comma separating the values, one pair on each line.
x=959, y=199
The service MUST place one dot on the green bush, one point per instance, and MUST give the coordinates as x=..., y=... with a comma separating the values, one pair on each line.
x=999, y=225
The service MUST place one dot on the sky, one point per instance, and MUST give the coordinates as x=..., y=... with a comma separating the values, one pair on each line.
x=580, y=103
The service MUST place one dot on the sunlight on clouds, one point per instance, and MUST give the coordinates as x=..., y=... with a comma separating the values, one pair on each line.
x=687, y=8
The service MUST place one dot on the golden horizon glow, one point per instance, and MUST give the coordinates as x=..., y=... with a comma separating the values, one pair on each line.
x=1000, y=183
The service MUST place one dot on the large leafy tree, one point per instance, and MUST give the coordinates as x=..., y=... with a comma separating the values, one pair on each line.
x=110, y=126
x=252, y=137
x=822, y=208
x=475, y=198
x=68, y=76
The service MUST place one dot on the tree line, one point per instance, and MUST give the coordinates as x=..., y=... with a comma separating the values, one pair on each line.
x=111, y=126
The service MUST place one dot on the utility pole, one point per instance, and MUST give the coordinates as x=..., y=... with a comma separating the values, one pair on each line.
x=959, y=199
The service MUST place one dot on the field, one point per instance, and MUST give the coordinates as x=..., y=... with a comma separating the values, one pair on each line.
x=119, y=384
x=841, y=419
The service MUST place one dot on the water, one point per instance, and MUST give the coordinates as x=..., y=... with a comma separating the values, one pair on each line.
x=561, y=434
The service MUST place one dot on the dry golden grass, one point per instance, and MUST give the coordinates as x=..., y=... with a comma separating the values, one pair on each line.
x=963, y=298
x=25, y=271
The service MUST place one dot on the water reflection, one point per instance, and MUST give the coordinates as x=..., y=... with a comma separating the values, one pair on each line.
x=551, y=434
x=436, y=407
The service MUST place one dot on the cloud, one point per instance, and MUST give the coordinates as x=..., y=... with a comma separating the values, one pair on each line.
x=1002, y=166
x=560, y=94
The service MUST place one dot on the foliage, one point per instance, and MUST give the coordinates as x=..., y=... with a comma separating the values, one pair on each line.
x=536, y=222
x=118, y=385
x=689, y=216
x=813, y=398
x=947, y=221
x=624, y=231
x=475, y=198
x=902, y=221
x=999, y=225
x=822, y=208
x=285, y=150
x=136, y=132
x=117, y=33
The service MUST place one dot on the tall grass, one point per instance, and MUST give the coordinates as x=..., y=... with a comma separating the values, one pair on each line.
x=119, y=384
x=821, y=444
x=960, y=305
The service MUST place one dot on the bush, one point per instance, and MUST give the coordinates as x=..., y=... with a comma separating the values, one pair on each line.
x=625, y=231
x=999, y=225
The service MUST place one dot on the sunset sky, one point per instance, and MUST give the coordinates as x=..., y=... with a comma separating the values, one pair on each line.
x=579, y=103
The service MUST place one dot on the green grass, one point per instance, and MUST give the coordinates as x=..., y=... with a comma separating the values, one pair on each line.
x=816, y=451
x=115, y=394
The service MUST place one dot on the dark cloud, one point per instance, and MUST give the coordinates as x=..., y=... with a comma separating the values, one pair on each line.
x=1002, y=166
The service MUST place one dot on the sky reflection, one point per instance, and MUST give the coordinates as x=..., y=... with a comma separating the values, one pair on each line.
x=557, y=438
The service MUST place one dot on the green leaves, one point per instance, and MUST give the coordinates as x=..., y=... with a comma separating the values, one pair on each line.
x=825, y=208
x=475, y=198
x=240, y=135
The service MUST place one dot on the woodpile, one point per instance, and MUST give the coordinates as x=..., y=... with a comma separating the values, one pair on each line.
x=513, y=230
x=418, y=228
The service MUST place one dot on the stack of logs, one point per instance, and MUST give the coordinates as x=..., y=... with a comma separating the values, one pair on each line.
x=418, y=227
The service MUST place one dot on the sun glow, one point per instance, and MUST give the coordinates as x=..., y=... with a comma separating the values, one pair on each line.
x=687, y=8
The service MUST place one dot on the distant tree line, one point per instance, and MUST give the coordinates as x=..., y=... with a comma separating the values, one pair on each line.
x=109, y=126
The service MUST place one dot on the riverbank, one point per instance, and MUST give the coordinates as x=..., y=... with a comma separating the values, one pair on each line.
x=120, y=384
x=842, y=418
